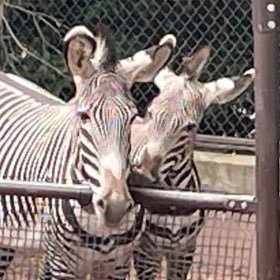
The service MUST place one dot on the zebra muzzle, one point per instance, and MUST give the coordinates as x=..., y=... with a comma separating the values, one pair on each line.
x=115, y=212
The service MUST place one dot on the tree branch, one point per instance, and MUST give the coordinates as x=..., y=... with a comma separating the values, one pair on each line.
x=43, y=37
x=38, y=14
x=25, y=50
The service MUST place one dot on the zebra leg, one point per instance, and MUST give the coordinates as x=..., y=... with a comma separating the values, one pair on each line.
x=179, y=262
x=45, y=272
x=54, y=267
x=55, y=270
x=6, y=257
x=178, y=265
x=112, y=271
x=121, y=272
x=147, y=260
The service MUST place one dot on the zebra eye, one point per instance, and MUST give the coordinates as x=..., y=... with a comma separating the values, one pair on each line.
x=84, y=116
x=190, y=126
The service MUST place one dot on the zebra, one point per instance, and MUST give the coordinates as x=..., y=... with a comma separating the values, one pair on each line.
x=162, y=150
x=87, y=139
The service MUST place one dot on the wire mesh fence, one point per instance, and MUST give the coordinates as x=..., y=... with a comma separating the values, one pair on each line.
x=224, y=247
x=33, y=32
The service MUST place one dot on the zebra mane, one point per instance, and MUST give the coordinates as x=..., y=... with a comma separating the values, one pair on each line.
x=105, y=55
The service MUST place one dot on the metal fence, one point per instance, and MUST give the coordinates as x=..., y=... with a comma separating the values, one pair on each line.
x=33, y=31
x=224, y=249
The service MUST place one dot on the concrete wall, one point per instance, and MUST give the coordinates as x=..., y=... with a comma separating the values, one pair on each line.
x=227, y=172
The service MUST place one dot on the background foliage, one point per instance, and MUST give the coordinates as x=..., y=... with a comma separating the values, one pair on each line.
x=31, y=43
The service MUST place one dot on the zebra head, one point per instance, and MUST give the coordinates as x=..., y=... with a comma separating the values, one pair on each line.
x=176, y=112
x=105, y=112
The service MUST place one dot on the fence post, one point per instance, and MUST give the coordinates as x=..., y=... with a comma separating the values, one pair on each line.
x=265, y=25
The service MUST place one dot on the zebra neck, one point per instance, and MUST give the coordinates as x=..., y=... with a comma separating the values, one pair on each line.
x=101, y=243
x=178, y=163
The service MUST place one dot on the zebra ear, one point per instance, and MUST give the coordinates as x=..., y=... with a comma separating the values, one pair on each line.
x=193, y=65
x=159, y=58
x=145, y=64
x=79, y=47
x=225, y=90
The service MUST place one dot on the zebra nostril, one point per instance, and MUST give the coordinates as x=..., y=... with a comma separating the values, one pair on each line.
x=101, y=203
x=130, y=206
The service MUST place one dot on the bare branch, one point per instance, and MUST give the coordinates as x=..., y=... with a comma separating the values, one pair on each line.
x=39, y=14
x=25, y=50
x=49, y=24
x=43, y=37
x=1, y=12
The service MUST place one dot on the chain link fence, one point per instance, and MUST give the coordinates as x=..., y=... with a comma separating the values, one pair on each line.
x=224, y=246
x=33, y=32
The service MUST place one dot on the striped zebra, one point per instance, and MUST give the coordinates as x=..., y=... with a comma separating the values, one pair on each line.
x=87, y=139
x=162, y=149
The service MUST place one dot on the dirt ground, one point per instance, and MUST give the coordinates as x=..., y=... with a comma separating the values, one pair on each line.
x=224, y=252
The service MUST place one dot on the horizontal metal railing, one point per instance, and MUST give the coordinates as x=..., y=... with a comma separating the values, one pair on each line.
x=147, y=195
x=219, y=143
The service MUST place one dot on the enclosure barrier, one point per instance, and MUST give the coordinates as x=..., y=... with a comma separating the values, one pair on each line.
x=224, y=246
x=224, y=144
x=145, y=195
x=266, y=24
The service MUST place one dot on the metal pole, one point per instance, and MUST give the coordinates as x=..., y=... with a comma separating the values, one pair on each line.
x=146, y=195
x=44, y=189
x=265, y=25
